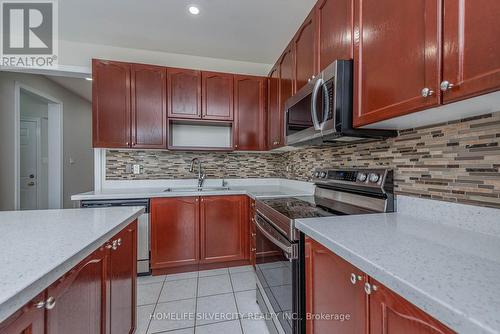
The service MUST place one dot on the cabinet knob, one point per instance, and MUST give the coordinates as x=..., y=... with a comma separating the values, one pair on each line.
x=370, y=288
x=253, y=249
x=40, y=304
x=119, y=242
x=355, y=278
x=426, y=92
x=446, y=85
x=50, y=303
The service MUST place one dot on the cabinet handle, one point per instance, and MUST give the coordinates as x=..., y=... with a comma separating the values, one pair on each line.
x=253, y=249
x=119, y=242
x=370, y=288
x=446, y=85
x=127, y=143
x=353, y=278
x=50, y=303
x=426, y=92
x=40, y=304
x=254, y=234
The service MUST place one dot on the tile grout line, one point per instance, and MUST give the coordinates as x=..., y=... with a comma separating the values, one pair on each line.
x=156, y=304
x=235, y=302
x=196, y=301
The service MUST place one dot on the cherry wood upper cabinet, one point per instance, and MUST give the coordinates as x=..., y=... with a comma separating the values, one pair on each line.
x=111, y=116
x=149, y=106
x=396, y=57
x=275, y=115
x=250, y=112
x=471, y=48
x=76, y=302
x=304, y=48
x=287, y=78
x=224, y=228
x=392, y=314
x=334, y=31
x=184, y=93
x=122, y=274
x=217, y=96
x=174, y=232
x=28, y=320
x=329, y=290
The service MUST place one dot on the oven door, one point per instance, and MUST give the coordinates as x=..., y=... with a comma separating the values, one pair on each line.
x=277, y=278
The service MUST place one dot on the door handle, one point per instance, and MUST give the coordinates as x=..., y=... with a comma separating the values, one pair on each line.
x=31, y=184
x=314, y=112
x=32, y=176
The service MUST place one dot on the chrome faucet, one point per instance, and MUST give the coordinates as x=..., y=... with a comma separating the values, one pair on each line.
x=201, y=173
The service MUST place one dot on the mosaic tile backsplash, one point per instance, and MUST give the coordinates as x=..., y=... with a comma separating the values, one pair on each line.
x=458, y=161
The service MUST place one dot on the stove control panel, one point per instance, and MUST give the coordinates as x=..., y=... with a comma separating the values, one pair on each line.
x=361, y=177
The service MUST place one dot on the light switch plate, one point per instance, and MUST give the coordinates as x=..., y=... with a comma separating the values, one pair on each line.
x=137, y=169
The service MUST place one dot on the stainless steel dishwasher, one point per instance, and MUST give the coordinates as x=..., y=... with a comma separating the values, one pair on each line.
x=143, y=248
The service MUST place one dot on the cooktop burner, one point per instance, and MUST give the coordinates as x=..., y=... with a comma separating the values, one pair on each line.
x=297, y=207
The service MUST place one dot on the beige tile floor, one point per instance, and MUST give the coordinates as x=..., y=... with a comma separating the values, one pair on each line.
x=220, y=301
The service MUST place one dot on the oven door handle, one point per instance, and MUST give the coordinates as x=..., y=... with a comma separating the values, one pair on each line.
x=290, y=251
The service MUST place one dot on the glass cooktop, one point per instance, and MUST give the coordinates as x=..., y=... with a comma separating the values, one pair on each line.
x=298, y=207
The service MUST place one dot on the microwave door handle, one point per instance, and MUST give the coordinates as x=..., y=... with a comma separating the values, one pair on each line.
x=326, y=105
x=314, y=114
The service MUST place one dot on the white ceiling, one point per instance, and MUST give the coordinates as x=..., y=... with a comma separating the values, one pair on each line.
x=246, y=30
x=79, y=86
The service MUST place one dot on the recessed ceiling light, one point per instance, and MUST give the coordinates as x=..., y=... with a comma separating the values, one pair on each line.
x=194, y=10
x=88, y=79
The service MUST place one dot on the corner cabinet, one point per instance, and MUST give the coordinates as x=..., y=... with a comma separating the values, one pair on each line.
x=471, y=48
x=187, y=232
x=334, y=286
x=111, y=113
x=396, y=57
x=96, y=296
x=250, y=113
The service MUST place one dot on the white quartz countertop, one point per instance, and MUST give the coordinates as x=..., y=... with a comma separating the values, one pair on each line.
x=257, y=191
x=451, y=273
x=38, y=247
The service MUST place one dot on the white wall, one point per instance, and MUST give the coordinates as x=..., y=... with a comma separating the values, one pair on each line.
x=77, y=137
x=80, y=54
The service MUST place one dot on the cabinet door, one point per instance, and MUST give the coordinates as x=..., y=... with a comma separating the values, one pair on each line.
x=471, y=59
x=329, y=290
x=250, y=112
x=79, y=298
x=174, y=232
x=28, y=320
x=217, y=93
x=184, y=93
x=305, y=52
x=396, y=56
x=122, y=276
x=224, y=231
x=274, y=113
x=334, y=31
x=253, y=233
x=286, y=78
x=149, y=106
x=391, y=314
x=111, y=116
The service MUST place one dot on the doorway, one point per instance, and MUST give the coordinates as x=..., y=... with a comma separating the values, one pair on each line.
x=39, y=150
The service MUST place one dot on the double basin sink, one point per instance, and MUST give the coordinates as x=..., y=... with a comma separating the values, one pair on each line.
x=195, y=189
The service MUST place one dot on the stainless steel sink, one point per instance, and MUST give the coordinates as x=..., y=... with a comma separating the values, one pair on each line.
x=195, y=189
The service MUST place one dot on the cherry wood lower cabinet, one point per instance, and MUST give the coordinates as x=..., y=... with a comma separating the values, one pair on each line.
x=29, y=320
x=191, y=231
x=175, y=232
x=335, y=287
x=253, y=234
x=96, y=296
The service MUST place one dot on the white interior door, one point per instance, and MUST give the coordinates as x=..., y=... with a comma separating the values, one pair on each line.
x=28, y=165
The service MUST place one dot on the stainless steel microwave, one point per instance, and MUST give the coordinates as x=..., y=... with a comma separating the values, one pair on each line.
x=321, y=112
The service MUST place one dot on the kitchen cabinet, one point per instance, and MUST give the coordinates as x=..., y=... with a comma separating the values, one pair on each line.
x=333, y=286
x=471, y=48
x=392, y=314
x=396, y=58
x=122, y=273
x=184, y=93
x=275, y=115
x=149, y=106
x=175, y=234
x=334, y=31
x=253, y=235
x=287, y=78
x=217, y=96
x=111, y=115
x=29, y=320
x=304, y=46
x=224, y=228
x=250, y=113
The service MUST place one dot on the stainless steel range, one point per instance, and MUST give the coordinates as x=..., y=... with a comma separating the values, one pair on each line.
x=280, y=246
